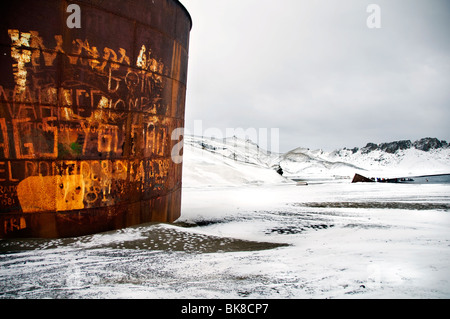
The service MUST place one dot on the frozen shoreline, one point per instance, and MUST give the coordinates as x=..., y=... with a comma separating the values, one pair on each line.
x=334, y=251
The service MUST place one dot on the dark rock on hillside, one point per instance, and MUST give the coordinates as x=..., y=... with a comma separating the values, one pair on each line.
x=428, y=143
x=395, y=146
x=369, y=148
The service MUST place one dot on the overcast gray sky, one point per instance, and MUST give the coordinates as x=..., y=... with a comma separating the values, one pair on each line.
x=316, y=71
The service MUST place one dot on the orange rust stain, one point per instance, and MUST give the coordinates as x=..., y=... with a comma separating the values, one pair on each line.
x=51, y=193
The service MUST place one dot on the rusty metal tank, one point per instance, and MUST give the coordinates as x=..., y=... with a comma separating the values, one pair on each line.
x=90, y=93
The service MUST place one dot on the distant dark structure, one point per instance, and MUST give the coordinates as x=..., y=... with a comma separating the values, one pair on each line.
x=88, y=104
x=361, y=179
x=280, y=170
x=423, y=179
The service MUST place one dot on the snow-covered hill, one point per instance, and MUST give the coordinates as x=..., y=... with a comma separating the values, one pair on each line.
x=308, y=164
x=227, y=162
x=233, y=161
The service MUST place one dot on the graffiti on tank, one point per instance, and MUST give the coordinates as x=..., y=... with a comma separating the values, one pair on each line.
x=94, y=135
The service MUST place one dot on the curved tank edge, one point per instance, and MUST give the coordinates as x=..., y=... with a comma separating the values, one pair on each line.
x=186, y=11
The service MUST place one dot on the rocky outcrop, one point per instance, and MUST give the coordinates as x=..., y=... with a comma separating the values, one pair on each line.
x=369, y=148
x=424, y=144
x=395, y=146
x=428, y=143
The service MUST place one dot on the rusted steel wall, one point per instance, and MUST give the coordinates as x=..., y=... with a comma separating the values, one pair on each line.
x=86, y=114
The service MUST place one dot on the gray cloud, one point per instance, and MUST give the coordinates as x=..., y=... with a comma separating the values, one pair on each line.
x=316, y=71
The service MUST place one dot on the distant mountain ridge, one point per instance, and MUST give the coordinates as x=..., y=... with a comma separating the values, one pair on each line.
x=234, y=161
x=424, y=144
x=424, y=156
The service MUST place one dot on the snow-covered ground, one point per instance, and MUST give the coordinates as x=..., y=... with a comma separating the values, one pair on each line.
x=345, y=240
x=247, y=232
